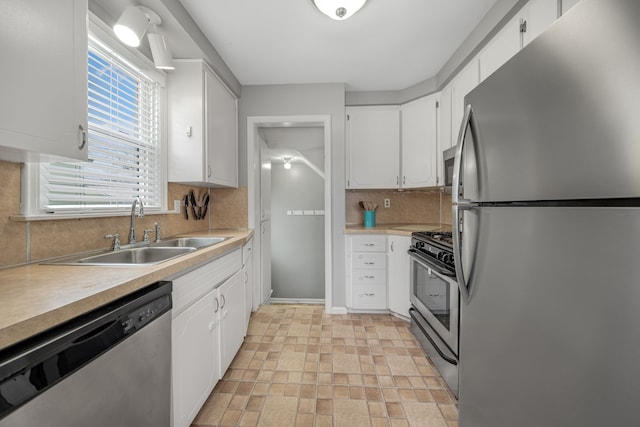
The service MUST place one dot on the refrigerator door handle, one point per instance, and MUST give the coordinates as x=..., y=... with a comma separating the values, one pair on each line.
x=468, y=124
x=460, y=204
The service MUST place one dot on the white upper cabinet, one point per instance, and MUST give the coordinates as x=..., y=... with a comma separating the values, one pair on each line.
x=530, y=21
x=445, y=137
x=537, y=16
x=568, y=4
x=461, y=85
x=222, y=128
x=391, y=147
x=373, y=147
x=203, y=125
x=419, y=143
x=500, y=49
x=43, y=107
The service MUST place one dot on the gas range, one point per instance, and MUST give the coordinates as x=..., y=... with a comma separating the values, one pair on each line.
x=436, y=247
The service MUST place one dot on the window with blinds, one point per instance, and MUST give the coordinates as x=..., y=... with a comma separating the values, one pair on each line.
x=124, y=142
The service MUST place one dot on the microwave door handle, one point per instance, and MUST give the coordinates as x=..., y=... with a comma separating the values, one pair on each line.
x=460, y=204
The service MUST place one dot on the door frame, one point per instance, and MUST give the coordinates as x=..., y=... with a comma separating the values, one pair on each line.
x=253, y=184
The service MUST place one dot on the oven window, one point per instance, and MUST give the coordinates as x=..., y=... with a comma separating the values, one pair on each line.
x=433, y=292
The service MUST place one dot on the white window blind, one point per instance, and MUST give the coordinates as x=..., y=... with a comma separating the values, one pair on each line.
x=124, y=142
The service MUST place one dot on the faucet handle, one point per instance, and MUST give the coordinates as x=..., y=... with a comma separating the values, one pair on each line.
x=145, y=235
x=115, y=246
x=157, y=227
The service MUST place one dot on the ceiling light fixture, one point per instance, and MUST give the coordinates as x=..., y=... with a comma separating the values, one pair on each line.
x=339, y=9
x=287, y=162
x=160, y=51
x=131, y=28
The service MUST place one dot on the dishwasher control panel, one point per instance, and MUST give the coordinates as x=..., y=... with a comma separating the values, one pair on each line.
x=145, y=314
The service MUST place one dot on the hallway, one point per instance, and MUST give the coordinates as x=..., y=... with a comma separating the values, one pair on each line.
x=301, y=367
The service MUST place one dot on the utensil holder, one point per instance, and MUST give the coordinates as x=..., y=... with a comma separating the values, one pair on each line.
x=369, y=219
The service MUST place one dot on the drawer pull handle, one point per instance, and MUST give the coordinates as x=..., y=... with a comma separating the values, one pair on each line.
x=369, y=244
x=369, y=263
x=369, y=277
x=367, y=295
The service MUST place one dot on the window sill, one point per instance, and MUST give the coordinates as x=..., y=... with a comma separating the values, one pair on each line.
x=54, y=217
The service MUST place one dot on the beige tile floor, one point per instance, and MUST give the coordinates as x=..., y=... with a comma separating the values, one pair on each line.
x=301, y=367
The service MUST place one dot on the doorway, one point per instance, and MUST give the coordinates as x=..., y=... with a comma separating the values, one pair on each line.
x=294, y=197
x=259, y=131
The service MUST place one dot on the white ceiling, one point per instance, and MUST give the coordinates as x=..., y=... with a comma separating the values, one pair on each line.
x=387, y=45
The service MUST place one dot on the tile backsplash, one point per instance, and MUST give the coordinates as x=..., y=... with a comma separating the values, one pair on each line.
x=24, y=242
x=407, y=207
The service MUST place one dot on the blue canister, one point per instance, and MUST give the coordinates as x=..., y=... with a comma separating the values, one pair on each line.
x=369, y=218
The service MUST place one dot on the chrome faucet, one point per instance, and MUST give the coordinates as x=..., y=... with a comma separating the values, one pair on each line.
x=132, y=229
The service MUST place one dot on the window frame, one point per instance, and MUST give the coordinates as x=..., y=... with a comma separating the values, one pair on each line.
x=30, y=203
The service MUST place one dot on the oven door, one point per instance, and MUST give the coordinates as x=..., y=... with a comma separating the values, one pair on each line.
x=437, y=298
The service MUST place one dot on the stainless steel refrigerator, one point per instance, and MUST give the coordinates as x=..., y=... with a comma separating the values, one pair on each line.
x=547, y=229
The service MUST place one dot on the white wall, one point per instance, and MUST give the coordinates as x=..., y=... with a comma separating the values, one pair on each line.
x=318, y=99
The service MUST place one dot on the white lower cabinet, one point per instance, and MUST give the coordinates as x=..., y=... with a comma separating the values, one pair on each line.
x=195, y=337
x=366, y=272
x=398, y=281
x=207, y=331
x=231, y=317
x=378, y=273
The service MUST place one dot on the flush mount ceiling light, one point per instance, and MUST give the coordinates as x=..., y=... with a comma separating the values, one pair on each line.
x=287, y=162
x=339, y=9
x=134, y=23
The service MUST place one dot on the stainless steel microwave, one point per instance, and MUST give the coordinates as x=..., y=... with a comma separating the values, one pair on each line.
x=448, y=157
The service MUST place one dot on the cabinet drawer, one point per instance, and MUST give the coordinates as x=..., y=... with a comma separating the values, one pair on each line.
x=191, y=286
x=369, y=277
x=369, y=260
x=368, y=244
x=370, y=296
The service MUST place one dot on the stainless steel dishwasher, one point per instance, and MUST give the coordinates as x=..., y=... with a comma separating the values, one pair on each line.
x=110, y=367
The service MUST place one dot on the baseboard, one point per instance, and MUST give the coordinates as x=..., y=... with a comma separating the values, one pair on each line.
x=296, y=301
x=339, y=310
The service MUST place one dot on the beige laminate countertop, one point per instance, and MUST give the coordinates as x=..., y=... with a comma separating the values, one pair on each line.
x=394, y=229
x=36, y=297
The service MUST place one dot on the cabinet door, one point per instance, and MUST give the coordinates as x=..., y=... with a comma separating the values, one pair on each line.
x=444, y=135
x=221, y=133
x=568, y=4
x=419, y=143
x=232, y=319
x=463, y=83
x=538, y=15
x=373, y=147
x=186, y=123
x=43, y=107
x=501, y=48
x=195, y=360
x=398, y=272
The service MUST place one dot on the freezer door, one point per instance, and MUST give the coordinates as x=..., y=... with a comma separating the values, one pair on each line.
x=550, y=335
x=560, y=119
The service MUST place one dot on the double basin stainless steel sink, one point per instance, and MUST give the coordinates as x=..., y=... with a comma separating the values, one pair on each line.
x=152, y=253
